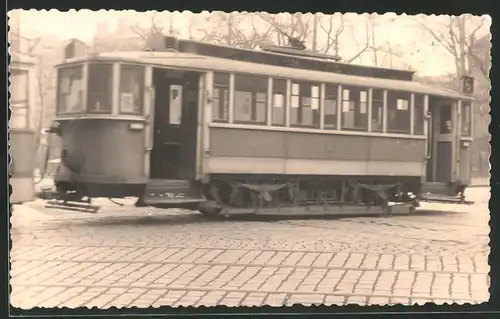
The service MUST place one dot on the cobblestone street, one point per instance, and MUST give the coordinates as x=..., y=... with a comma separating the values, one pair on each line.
x=126, y=256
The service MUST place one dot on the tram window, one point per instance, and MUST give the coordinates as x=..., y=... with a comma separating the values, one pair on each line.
x=377, y=110
x=279, y=102
x=220, y=105
x=466, y=118
x=131, y=89
x=100, y=87
x=418, y=115
x=250, y=99
x=330, y=106
x=70, y=90
x=304, y=110
x=445, y=123
x=354, y=109
x=19, y=95
x=398, y=112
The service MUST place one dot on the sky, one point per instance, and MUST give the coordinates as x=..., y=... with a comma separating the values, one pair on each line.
x=427, y=59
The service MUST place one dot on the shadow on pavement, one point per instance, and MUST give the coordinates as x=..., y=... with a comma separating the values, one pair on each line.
x=196, y=218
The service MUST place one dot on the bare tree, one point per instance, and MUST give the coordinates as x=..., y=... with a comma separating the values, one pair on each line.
x=236, y=30
x=154, y=26
x=296, y=26
x=340, y=33
x=458, y=36
x=333, y=35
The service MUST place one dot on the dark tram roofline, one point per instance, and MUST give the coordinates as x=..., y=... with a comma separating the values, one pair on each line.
x=274, y=55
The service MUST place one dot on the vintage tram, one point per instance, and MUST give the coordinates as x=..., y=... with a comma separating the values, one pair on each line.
x=186, y=124
x=22, y=70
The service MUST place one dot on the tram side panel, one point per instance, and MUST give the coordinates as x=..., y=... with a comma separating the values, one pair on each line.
x=104, y=155
x=245, y=151
x=22, y=144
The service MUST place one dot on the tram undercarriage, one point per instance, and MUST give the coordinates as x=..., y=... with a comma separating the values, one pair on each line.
x=302, y=196
x=234, y=195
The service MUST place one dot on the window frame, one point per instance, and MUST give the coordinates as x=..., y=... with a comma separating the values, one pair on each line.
x=334, y=94
x=224, y=104
x=301, y=106
x=254, y=99
x=142, y=87
x=83, y=108
x=470, y=116
x=418, y=101
x=110, y=84
x=377, y=103
x=22, y=104
x=400, y=98
x=369, y=103
x=348, y=100
x=283, y=92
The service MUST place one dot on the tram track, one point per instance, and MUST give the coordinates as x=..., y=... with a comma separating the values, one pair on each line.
x=178, y=217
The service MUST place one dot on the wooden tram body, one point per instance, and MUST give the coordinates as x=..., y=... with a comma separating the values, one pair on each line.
x=183, y=126
x=22, y=134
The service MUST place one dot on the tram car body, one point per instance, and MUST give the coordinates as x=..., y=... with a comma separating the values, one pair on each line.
x=22, y=134
x=183, y=126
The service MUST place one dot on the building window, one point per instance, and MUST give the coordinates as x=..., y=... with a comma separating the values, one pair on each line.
x=330, y=105
x=220, y=104
x=418, y=115
x=304, y=110
x=100, y=88
x=398, y=112
x=250, y=99
x=278, y=114
x=131, y=89
x=377, y=110
x=19, y=99
x=466, y=126
x=355, y=109
x=70, y=90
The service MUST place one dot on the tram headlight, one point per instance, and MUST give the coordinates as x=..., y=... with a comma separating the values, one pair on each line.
x=55, y=128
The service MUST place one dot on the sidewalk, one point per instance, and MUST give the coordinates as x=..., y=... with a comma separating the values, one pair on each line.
x=25, y=214
x=480, y=182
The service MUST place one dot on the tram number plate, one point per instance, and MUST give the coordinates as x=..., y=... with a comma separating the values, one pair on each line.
x=168, y=195
x=175, y=195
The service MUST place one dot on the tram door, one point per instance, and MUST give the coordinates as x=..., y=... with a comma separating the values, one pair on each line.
x=175, y=124
x=441, y=142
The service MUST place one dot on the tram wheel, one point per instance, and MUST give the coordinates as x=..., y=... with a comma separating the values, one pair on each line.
x=210, y=212
x=462, y=197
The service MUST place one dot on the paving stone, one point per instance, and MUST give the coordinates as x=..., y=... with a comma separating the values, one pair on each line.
x=129, y=256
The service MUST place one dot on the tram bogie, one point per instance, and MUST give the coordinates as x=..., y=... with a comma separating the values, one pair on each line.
x=186, y=130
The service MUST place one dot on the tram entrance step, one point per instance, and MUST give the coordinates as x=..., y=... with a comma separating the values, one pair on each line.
x=172, y=191
x=439, y=189
x=442, y=192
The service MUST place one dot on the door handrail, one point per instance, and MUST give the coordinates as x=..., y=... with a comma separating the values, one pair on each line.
x=430, y=135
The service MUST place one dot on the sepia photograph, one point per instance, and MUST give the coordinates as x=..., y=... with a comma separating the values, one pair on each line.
x=248, y=159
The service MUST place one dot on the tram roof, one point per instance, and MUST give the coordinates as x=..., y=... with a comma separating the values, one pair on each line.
x=199, y=62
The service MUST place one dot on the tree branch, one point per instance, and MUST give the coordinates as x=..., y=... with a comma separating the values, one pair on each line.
x=367, y=45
